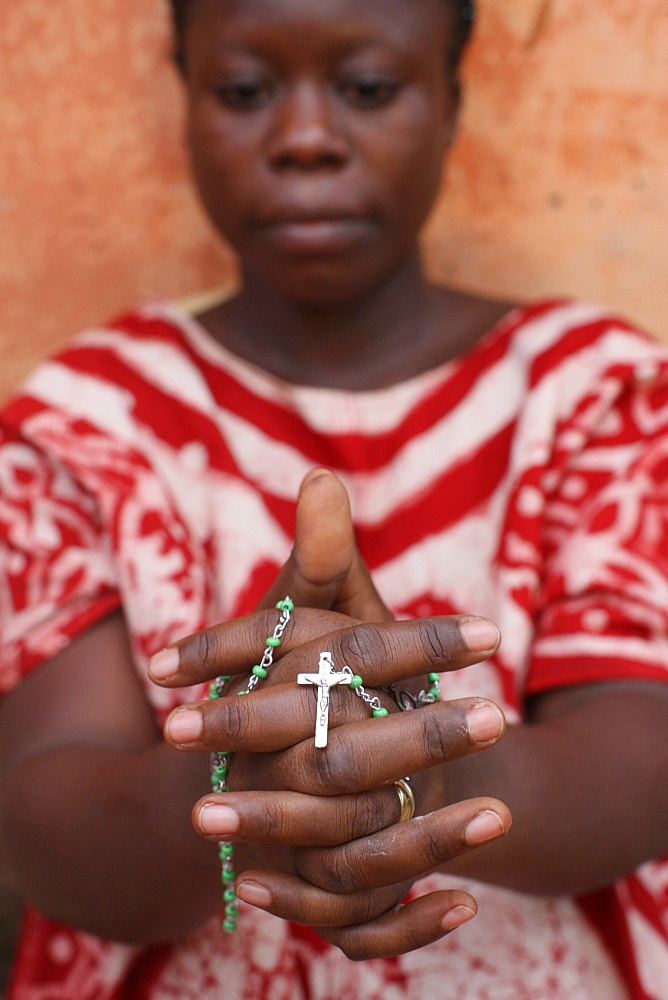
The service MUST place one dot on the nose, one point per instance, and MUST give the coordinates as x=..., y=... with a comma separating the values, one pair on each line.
x=306, y=132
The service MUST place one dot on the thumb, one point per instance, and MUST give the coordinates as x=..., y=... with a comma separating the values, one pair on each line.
x=325, y=568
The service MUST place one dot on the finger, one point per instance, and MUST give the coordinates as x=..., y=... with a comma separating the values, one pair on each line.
x=382, y=653
x=233, y=647
x=325, y=568
x=292, y=898
x=406, y=928
x=351, y=922
x=369, y=754
x=268, y=720
x=359, y=755
x=352, y=843
x=386, y=653
x=291, y=818
x=405, y=851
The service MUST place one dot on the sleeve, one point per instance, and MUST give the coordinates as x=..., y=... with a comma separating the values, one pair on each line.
x=57, y=575
x=603, y=608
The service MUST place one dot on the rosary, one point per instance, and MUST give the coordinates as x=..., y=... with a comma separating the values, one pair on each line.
x=324, y=680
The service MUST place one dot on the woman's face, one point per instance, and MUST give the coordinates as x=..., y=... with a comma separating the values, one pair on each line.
x=317, y=130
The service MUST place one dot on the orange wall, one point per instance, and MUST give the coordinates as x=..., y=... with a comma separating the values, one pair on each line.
x=558, y=183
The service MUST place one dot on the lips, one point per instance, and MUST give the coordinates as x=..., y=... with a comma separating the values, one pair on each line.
x=315, y=231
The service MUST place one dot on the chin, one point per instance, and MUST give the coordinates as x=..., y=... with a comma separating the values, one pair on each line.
x=325, y=287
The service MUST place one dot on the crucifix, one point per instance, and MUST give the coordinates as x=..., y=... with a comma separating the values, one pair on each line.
x=326, y=678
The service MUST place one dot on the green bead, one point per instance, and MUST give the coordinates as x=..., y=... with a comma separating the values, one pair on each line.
x=225, y=851
x=242, y=692
x=229, y=925
x=219, y=772
x=356, y=682
x=229, y=895
x=378, y=713
x=435, y=693
x=227, y=876
x=213, y=690
x=433, y=678
x=286, y=605
x=259, y=671
x=273, y=641
x=232, y=909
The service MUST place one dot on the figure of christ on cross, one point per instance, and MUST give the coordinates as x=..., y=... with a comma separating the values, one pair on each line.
x=326, y=678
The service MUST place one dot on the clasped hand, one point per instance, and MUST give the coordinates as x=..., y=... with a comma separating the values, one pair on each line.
x=317, y=832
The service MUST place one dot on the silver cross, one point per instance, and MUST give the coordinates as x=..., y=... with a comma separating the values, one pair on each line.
x=326, y=678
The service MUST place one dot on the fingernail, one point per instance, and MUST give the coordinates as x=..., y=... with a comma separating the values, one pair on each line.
x=484, y=722
x=217, y=819
x=479, y=634
x=483, y=827
x=184, y=726
x=455, y=918
x=254, y=893
x=164, y=664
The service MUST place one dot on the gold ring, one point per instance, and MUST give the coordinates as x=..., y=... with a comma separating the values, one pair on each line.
x=406, y=799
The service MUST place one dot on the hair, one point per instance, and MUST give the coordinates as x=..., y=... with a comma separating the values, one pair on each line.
x=464, y=12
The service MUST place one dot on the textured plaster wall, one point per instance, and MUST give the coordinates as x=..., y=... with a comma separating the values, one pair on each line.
x=558, y=182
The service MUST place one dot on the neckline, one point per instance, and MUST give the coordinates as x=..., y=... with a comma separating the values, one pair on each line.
x=250, y=373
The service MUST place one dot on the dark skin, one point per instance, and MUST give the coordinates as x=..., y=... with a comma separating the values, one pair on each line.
x=320, y=174
x=97, y=806
x=574, y=746
x=344, y=324
x=357, y=270
x=323, y=199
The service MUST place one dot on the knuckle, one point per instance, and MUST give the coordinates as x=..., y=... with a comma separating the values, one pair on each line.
x=436, y=740
x=203, y=651
x=304, y=772
x=362, y=645
x=351, y=941
x=274, y=824
x=431, y=851
x=337, y=870
x=233, y=721
x=271, y=620
x=339, y=769
x=322, y=774
x=371, y=812
x=265, y=623
x=440, y=646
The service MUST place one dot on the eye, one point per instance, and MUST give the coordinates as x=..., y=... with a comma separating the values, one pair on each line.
x=368, y=92
x=245, y=94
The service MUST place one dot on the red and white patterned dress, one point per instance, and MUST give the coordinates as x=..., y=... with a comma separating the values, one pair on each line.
x=527, y=481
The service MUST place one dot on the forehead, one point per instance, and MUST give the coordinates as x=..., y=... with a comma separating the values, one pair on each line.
x=337, y=25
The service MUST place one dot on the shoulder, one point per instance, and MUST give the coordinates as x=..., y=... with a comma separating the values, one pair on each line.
x=136, y=339
x=573, y=355
x=105, y=372
x=90, y=408
x=564, y=330
x=150, y=326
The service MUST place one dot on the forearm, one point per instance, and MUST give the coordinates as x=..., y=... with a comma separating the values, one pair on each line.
x=587, y=791
x=101, y=839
